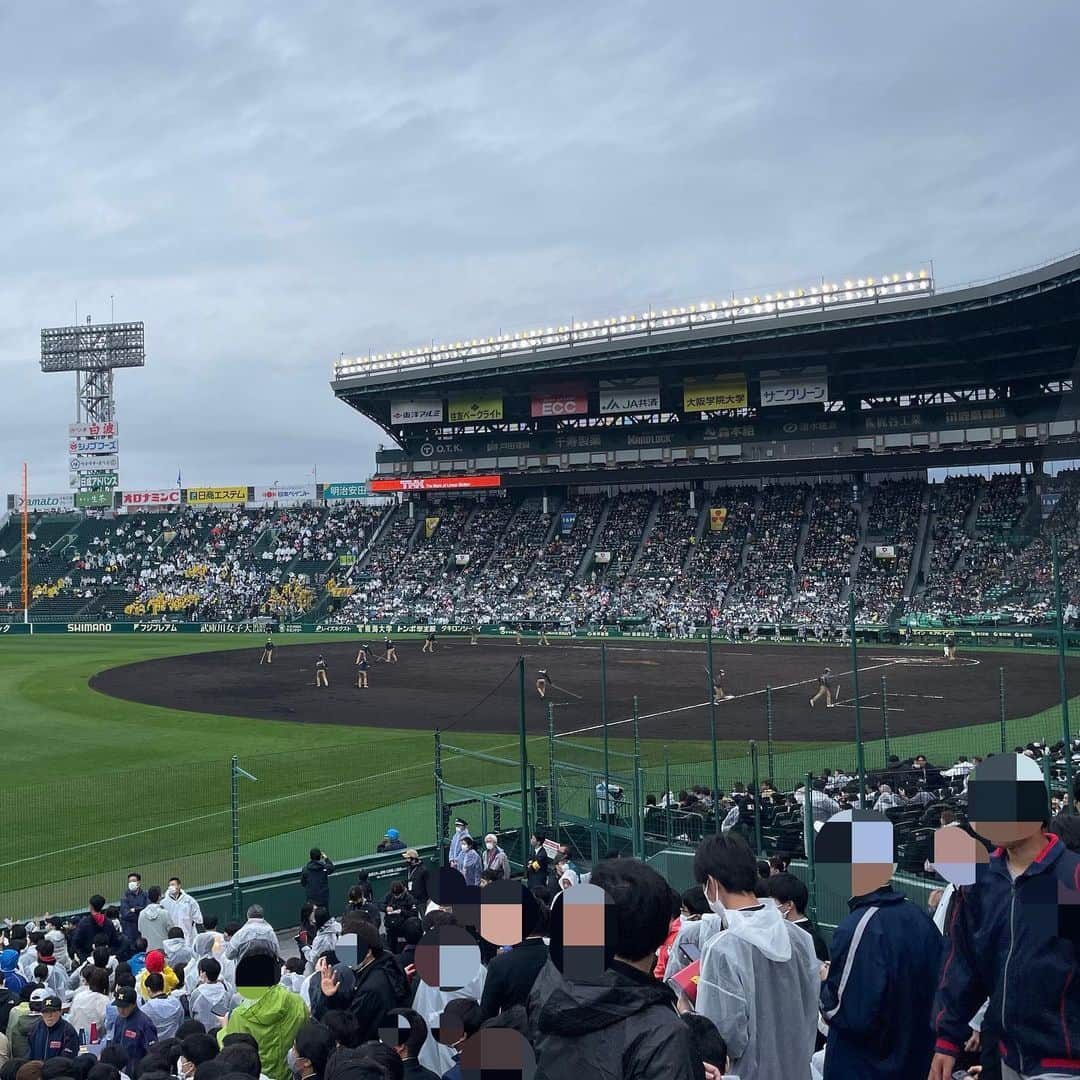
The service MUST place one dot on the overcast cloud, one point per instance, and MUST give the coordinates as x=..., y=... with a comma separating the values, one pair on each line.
x=270, y=184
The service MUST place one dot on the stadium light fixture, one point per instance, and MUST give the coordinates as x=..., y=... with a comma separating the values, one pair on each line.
x=729, y=310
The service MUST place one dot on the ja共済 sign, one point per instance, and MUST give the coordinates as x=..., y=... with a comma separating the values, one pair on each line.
x=629, y=396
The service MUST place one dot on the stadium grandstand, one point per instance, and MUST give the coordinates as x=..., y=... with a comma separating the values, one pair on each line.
x=752, y=462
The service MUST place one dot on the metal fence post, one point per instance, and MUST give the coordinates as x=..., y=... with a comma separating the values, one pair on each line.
x=553, y=795
x=439, y=796
x=234, y=791
x=769, y=728
x=667, y=794
x=523, y=755
x=639, y=824
x=1001, y=708
x=607, y=762
x=885, y=717
x=757, y=798
x=808, y=840
x=1063, y=685
x=712, y=722
x=859, y=758
x=1047, y=778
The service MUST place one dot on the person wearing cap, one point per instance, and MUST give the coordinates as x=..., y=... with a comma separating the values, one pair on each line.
x=155, y=964
x=461, y=828
x=417, y=877
x=131, y=1029
x=21, y=1022
x=52, y=1036
x=390, y=842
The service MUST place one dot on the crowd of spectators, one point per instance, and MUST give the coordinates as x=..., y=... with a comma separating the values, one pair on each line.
x=598, y=968
x=782, y=557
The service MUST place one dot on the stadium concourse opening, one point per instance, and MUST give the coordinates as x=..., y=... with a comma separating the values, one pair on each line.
x=462, y=687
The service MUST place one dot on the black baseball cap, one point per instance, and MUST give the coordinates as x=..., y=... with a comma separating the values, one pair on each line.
x=53, y=1003
x=125, y=995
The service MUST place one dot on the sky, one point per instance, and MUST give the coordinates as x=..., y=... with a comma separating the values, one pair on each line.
x=269, y=185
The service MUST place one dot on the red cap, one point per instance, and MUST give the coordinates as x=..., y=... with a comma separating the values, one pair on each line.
x=155, y=960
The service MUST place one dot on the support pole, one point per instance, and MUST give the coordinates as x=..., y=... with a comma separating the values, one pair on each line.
x=523, y=756
x=885, y=717
x=25, y=546
x=859, y=758
x=667, y=793
x=808, y=839
x=712, y=723
x=1063, y=685
x=607, y=760
x=553, y=794
x=769, y=728
x=439, y=798
x=234, y=800
x=757, y=798
x=639, y=795
x=1001, y=708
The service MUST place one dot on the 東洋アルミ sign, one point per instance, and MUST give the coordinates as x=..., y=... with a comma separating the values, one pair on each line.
x=629, y=396
x=332, y=492
x=416, y=410
x=207, y=495
x=437, y=483
x=561, y=399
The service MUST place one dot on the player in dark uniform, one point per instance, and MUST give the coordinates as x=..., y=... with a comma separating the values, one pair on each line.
x=321, y=678
x=391, y=650
x=473, y=634
x=543, y=634
x=267, y=653
x=429, y=642
x=542, y=682
x=718, y=687
x=363, y=663
x=518, y=632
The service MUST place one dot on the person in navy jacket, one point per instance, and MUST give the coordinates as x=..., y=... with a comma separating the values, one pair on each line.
x=52, y=1036
x=131, y=1029
x=1012, y=937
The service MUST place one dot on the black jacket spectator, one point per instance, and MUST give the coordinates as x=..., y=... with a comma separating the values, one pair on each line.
x=417, y=883
x=512, y=975
x=315, y=878
x=88, y=928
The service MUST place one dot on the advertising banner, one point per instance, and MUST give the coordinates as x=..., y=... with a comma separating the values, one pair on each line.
x=79, y=463
x=93, y=446
x=151, y=498
x=416, y=410
x=562, y=399
x=348, y=560
x=810, y=386
x=462, y=558
x=469, y=410
x=430, y=525
x=94, y=481
x=86, y=500
x=884, y=551
x=566, y=522
x=330, y=492
x=103, y=430
x=437, y=483
x=717, y=518
x=210, y=495
x=46, y=504
x=602, y=557
x=720, y=392
x=629, y=396
x=284, y=496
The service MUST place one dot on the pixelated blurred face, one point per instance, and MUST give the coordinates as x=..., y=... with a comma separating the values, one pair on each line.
x=447, y=958
x=498, y=1052
x=501, y=912
x=958, y=855
x=1007, y=799
x=578, y=932
x=854, y=852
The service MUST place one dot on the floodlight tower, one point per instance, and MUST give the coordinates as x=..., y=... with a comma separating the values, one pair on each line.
x=93, y=353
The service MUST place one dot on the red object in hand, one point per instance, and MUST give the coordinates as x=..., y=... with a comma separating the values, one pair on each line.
x=686, y=981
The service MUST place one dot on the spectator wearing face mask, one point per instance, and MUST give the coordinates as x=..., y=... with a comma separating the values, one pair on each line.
x=791, y=897
x=760, y=979
x=468, y=861
x=131, y=907
x=494, y=858
x=461, y=830
x=183, y=909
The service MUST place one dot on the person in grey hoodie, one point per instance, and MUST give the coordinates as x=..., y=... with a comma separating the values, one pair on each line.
x=176, y=949
x=211, y=1001
x=154, y=921
x=206, y=946
x=165, y=1012
x=759, y=979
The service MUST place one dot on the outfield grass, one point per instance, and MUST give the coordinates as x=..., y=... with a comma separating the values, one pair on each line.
x=95, y=785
